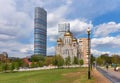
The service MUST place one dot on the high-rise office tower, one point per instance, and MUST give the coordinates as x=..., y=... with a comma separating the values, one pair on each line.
x=40, y=31
x=62, y=28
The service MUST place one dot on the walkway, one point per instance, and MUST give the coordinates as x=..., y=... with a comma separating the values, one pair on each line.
x=113, y=76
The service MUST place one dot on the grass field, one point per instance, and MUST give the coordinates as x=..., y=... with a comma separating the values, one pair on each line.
x=72, y=75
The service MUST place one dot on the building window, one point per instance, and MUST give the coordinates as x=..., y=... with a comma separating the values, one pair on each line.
x=59, y=45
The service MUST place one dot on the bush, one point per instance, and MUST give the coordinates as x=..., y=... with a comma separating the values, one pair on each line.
x=75, y=60
x=58, y=60
x=12, y=66
x=4, y=67
x=81, y=62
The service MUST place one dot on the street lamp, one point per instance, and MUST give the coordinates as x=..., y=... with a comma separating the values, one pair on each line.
x=89, y=56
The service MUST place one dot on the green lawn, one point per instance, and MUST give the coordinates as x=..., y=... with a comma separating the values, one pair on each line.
x=72, y=75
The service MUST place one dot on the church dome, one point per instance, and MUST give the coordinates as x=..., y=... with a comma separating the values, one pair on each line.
x=74, y=39
x=67, y=34
x=59, y=40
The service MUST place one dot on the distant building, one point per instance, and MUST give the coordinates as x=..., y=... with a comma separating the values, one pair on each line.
x=83, y=44
x=62, y=28
x=3, y=56
x=27, y=61
x=68, y=46
x=40, y=31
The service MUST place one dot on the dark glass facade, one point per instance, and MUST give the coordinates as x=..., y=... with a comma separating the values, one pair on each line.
x=40, y=31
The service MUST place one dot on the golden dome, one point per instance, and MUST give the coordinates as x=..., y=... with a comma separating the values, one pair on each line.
x=59, y=40
x=74, y=39
x=67, y=34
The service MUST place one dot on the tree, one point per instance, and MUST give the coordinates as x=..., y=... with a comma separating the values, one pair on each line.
x=92, y=58
x=75, y=60
x=48, y=61
x=33, y=64
x=99, y=61
x=23, y=64
x=105, y=59
x=68, y=60
x=12, y=66
x=17, y=65
x=58, y=60
x=0, y=62
x=55, y=60
x=37, y=58
x=81, y=62
x=4, y=67
x=40, y=63
x=115, y=59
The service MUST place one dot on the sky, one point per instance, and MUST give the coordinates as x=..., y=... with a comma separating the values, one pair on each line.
x=17, y=24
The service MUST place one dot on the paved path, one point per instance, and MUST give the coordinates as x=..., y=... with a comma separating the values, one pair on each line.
x=46, y=67
x=113, y=76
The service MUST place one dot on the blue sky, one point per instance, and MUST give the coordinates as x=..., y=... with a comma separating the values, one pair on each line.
x=17, y=24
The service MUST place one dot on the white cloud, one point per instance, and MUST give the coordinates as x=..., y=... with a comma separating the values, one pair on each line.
x=13, y=22
x=54, y=18
x=6, y=37
x=15, y=26
x=16, y=49
x=7, y=6
x=97, y=52
x=106, y=28
x=51, y=50
x=78, y=26
x=27, y=48
x=68, y=1
x=57, y=15
x=112, y=41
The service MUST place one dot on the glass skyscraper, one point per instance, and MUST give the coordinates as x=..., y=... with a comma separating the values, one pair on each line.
x=62, y=28
x=40, y=31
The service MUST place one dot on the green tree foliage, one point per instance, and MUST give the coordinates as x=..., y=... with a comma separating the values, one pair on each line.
x=40, y=64
x=0, y=65
x=106, y=59
x=48, y=61
x=75, y=60
x=37, y=58
x=4, y=67
x=17, y=65
x=16, y=60
x=33, y=64
x=68, y=60
x=23, y=64
x=115, y=59
x=12, y=66
x=0, y=62
x=58, y=60
x=81, y=62
x=36, y=64
x=99, y=61
x=92, y=58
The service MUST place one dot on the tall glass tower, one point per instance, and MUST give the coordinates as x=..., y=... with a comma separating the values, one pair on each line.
x=40, y=31
x=62, y=28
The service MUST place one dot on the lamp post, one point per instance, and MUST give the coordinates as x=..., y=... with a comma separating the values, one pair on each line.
x=89, y=56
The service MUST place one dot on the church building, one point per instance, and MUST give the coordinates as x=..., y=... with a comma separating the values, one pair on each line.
x=68, y=45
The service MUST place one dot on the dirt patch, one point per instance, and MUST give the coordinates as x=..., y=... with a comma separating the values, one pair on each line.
x=70, y=77
x=71, y=74
x=99, y=78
